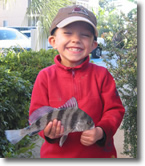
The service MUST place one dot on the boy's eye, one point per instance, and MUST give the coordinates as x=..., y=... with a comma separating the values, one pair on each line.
x=86, y=35
x=67, y=33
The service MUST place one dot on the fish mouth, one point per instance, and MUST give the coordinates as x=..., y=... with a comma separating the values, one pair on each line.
x=92, y=127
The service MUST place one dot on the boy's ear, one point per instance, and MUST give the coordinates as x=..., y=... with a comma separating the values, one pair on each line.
x=95, y=44
x=51, y=40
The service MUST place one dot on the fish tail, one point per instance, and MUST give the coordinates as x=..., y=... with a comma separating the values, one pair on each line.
x=15, y=136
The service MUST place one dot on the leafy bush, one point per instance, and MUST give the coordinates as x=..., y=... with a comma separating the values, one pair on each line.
x=18, y=72
x=125, y=74
x=14, y=105
x=28, y=63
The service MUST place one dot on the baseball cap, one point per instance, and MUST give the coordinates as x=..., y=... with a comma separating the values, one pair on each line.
x=72, y=14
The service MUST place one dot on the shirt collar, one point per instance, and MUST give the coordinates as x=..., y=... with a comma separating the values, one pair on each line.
x=57, y=61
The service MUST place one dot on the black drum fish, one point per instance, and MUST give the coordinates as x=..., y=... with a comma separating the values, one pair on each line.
x=72, y=118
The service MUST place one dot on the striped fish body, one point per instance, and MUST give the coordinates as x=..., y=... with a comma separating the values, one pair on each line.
x=72, y=118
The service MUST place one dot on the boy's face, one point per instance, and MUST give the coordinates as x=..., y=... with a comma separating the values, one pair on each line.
x=73, y=42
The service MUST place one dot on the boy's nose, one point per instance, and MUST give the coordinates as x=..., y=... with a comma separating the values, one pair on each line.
x=76, y=38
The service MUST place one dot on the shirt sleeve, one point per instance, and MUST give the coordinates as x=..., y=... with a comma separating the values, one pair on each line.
x=39, y=96
x=113, y=110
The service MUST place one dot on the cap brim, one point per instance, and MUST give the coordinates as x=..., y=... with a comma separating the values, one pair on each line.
x=72, y=19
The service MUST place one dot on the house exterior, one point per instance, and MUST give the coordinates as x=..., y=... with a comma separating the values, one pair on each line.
x=89, y=4
x=13, y=13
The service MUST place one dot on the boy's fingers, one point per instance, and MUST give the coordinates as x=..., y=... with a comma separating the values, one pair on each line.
x=47, y=129
x=58, y=129
x=62, y=130
x=53, y=129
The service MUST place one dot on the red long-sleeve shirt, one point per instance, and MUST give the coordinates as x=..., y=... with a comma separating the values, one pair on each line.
x=95, y=91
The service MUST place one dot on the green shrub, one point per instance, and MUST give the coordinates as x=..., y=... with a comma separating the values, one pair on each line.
x=125, y=74
x=18, y=72
x=28, y=63
x=14, y=105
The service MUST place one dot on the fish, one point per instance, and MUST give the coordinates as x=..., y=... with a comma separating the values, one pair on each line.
x=72, y=118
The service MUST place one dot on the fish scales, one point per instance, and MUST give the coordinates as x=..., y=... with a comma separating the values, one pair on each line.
x=65, y=121
x=55, y=113
x=38, y=123
x=42, y=122
x=49, y=116
x=72, y=118
x=67, y=118
x=46, y=119
x=84, y=116
x=34, y=132
x=61, y=113
x=37, y=114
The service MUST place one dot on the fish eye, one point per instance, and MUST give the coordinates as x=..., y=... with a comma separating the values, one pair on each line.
x=89, y=122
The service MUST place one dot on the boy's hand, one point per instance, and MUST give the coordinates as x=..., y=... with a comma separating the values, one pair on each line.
x=54, y=129
x=89, y=137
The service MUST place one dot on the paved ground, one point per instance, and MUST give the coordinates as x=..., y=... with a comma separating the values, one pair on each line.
x=118, y=139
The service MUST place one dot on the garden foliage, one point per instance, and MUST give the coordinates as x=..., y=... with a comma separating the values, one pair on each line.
x=122, y=48
x=18, y=71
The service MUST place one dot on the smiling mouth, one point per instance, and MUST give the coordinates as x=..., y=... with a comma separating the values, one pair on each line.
x=75, y=49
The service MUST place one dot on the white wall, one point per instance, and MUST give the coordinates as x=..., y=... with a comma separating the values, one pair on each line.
x=14, y=13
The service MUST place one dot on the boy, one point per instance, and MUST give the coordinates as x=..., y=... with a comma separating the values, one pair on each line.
x=73, y=33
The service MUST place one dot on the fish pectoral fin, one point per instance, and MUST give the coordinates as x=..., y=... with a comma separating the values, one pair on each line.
x=62, y=140
x=64, y=137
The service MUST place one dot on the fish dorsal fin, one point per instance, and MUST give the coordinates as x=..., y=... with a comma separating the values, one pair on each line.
x=39, y=113
x=70, y=103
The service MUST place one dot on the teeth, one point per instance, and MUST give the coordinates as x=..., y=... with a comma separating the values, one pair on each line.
x=74, y=49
